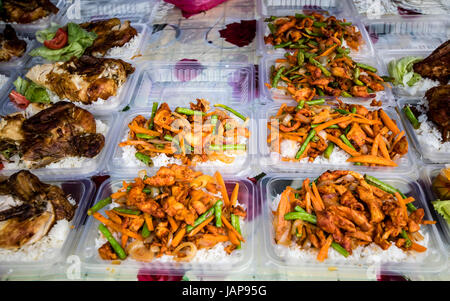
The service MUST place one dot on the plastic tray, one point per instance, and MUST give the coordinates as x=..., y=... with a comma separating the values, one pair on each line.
x=279, y=96
x=428, y=155
x=82, y=192
x=29, y=29
x=185, y=81
x=94, y=265
x=117, y=166
x=113, y=104
x=408, y=32
x=271, y=185
x=406, y=164
x=339, y=9
x=92, y=166
x=386, y=56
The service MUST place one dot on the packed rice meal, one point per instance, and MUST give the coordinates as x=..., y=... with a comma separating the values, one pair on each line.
x=187, y=136
x=316, y=61
x=360, y=217
x=34, y=218
x=58, y=136
x=441, y=189
x=310, y=131
x=432, y=125
x=27, y=11
x=176, y=215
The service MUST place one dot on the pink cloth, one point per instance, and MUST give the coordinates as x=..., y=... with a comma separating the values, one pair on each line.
x=193, y=7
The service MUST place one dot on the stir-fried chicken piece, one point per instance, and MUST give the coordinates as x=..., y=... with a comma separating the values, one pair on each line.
x=26, y=11
x=85, y=79
x=106, y=252
x=372, y=202
x=10, y=45
x=437, y=65
x=110, y=33
x=439, y=109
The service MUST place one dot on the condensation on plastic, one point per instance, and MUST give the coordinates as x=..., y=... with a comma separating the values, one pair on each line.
x=428, y=155
x=274, y=184
x=112, y=104
x=406, y=164
x=279, y=95
x=95, y=266
x=82, y=192
x=29, y=30
x=408, y=32
x=428, y=174
x=339, y=9
x=118, y=167
x=93, y=166
x=184, y=81
x=387, y=56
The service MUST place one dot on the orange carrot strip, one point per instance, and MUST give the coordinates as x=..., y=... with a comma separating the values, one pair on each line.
x=201, y=226
x=124, y=240
x=280, y=110
x=428, y=222
x=318, y=198
x=280, y=60
x=372, y=159
x=233, y=238
x=173, y=223
x=126, y=215
x=342, y=145
x=308, y=202
x=331, y=122
x=234, y=195
x=366, y=121
x=418, y=248
x=323, y=253
x=118, y=194
x=140, y=130
x=223, y=188
x=401, y=203
x=374, y=150
x=402, y=133
x=388, y=122
x=116, y=227
x=148, y=221
x=408, y=200
x=113, y=216
x=383, y=148
x=329, y=50
x=229, y=226
x=216, y=237
x=178, y=237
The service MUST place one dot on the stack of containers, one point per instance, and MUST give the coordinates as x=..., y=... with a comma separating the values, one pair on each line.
x=281, y=174
x=74, y=179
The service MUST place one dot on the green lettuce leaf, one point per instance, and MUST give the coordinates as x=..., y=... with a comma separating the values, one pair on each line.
x=402, y=70
x=78, y=40
x=443, y=208
x=33, y=92
x=47, y=34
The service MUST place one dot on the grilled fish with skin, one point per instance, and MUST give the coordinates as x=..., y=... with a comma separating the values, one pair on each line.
x=437, y=65
x=10, y=45
x=26, y=11
x=85, y=79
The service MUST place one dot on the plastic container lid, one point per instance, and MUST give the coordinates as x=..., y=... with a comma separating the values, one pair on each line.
x=94, y=265
x=81, y=191
x=434, y=261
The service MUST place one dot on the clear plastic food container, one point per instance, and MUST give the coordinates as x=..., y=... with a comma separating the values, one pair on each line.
x=112, y=104
x=339, y=9
x=428, y=175
x=418, y=89
x=49, y=261
x=408, y=32
x=271, y=163
x=424, y=144
x=119, y=166
x=89, y=166
x=432, y=261
x=97, y=267
x=184, y=81
x=279, y=95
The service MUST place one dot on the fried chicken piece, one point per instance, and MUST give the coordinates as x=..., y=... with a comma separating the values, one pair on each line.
x=372, y=202
x=106, y=252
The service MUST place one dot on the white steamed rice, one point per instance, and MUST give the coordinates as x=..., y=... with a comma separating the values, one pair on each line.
x=419, y=88
x=127, y=50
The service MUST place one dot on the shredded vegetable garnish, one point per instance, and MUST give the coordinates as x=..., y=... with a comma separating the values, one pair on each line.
x=175, y=212
x=195, y=134
x=369, y=137
x=344, y=212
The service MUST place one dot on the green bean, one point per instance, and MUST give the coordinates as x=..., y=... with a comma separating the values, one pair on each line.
x=144, y=158
x=345, y=23
x=315, y=139
x=291, y=70
x=272, y=28
x=214, y=120
x=232, y=111
x=295, y=76
x=320, y=91
x=302, y=216
x=300, y=209
x=366, y=67
x=114, y=244
x=168, y=138
x=127, y=211
x=145, y=231
x=357, y=73
x=236, y=225
x=340, y=249
x=347, y=129
x=129, y=188
x=408, y=242
x=341, y=111
x=302, y=16
x=305, y=143
x=353, y=110
x=387, y=78
x=300, y=105
x=154, y=109
x=410, y=115
x=319, y=24
x=320, y=101
x=358, y=82
x=218, y=213
x=319, y=65
x=346, y=141
x=270, y=19
x=370, y=90
x=333, y=126
x=100, y=204
x=312, y=33
x=310, y=55
x=345, y=94
x=145, y=136
x=282, y=45
x=328, y=150
x=277, y=76
x=225, y=147
x=201, y=219
x=341, y=50
x=187, y=111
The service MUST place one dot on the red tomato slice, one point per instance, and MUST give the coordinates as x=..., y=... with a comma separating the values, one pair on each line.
x=1, y=166
x=59, y=41
x=19, y=100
